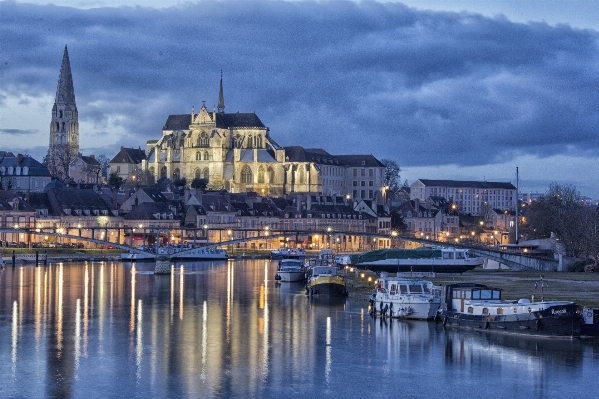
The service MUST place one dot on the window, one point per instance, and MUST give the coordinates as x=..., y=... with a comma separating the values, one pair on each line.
x=470, y=309
x=370, y=172
x=362, y=183
x=485, y=310
x=271, y=175
x=261, y=175
x=206, y=174
x=206, y=156
x=203, y=140
x=355, y=183
x=246, y=175
x=198, y=156
x=499, y=310
x=355, y=172
x=363, y=172
x=370, y=183
x=198, y=174
x=393, y=290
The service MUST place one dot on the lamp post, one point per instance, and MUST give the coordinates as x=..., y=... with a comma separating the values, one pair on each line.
x=206, y=233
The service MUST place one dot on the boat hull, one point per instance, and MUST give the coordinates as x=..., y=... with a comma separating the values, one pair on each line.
x=420, y=265
x=408, y=308
x=327, y=286
x=559, y=321
x=190, y=255
x=290, y=276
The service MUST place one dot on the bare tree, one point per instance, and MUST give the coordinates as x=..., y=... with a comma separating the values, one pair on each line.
x=58, y=159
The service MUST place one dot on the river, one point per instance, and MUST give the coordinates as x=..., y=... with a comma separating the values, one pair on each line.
x=228, y=329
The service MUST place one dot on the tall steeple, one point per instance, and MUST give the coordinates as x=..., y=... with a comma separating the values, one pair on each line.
x=64, y=128
x=221, y=96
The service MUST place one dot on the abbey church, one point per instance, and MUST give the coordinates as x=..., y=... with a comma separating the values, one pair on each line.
x=235, y=152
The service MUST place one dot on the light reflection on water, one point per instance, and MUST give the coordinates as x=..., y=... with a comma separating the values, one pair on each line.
x=228, y=329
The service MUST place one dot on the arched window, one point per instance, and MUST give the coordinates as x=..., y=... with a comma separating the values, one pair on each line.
x=246, y=175
x=198, y=156
x=206, y=157
x=271, y=175
x=63, y=126
x=206, y=175
x=152, y=170
x=203, y=140
x=250, y=141
x=261, y=175
x=60, y=114
x=181, y=142
x=198, y=174
x=176, y=174
x=238, y=141
x=301, y=172
x=163, y=172
x=57, y=126
x=258, y=141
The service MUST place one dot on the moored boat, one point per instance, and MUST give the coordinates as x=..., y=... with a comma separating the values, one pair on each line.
x=288, y=253
x=479, y=307
x=404, y=298
x=443, y=260
x=324, y=281
x=290, y=270
x=177, y=253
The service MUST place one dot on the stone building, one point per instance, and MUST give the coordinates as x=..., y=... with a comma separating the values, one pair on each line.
x=235, y=152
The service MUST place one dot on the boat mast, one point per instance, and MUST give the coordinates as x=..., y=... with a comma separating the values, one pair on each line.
x=517, y=206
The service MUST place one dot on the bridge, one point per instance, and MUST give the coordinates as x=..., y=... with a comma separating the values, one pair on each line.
x=515, y=261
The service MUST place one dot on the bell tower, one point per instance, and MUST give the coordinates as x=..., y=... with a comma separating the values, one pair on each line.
x=64, y=128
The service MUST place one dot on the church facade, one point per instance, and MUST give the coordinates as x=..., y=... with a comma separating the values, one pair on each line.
x=235, y=152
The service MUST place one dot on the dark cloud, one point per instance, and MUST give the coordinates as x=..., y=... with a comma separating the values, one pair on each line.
x=18, y=131
x=420, y=87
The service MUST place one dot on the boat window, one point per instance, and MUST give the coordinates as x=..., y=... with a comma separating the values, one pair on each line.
x=496, y=294
x=403, y=289
x=460, y=255
x=415, y=289
x=485, y=294
x=447, y=255
x=499, y=310
x=393, y=290
x=476, y=294
x=470, y=309
x=485, y=310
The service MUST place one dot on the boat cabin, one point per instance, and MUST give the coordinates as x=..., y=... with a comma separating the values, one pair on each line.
x=458, y=296
x=323, y=271
x=454, y=254
x=404, y=287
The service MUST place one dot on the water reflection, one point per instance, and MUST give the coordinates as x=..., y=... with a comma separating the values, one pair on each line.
x=222, y=329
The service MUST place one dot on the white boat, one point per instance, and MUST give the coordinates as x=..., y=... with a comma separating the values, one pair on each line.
x=177, y=253
x=324, y=281
x=478, y=307
x=443, y=260
x=290, y=270
x=288, y=253
x=404, y=298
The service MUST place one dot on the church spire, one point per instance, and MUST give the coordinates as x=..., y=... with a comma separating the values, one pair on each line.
x=65, y=93
x=221, y=96
x=64, y=126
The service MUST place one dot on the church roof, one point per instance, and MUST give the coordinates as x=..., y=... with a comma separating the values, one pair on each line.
x=223, y=121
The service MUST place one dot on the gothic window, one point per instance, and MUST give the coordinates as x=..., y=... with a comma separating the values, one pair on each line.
x=181, y=142
x=261, y=175
x=301, y=176
x=176, y=174
x=206, y=158
x=258, y=141
x=206, y=175
x=198, y=174
x=250, y=141
x=163, y=172
x=152, y=170
x=60, y=114
x=198, y=156
x=238, y=141
x=63, y=126
x=203, y=140
x=246, y=175
x=271, y=175
x=57, y=126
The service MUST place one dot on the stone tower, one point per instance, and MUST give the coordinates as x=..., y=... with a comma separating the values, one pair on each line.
x=64, y=128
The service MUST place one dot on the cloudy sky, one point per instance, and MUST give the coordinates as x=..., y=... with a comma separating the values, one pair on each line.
x=465, y=90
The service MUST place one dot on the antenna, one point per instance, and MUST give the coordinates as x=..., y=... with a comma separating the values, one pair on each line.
x=517, y=206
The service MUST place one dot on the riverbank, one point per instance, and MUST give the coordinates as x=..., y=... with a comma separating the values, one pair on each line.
x=582, y=288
